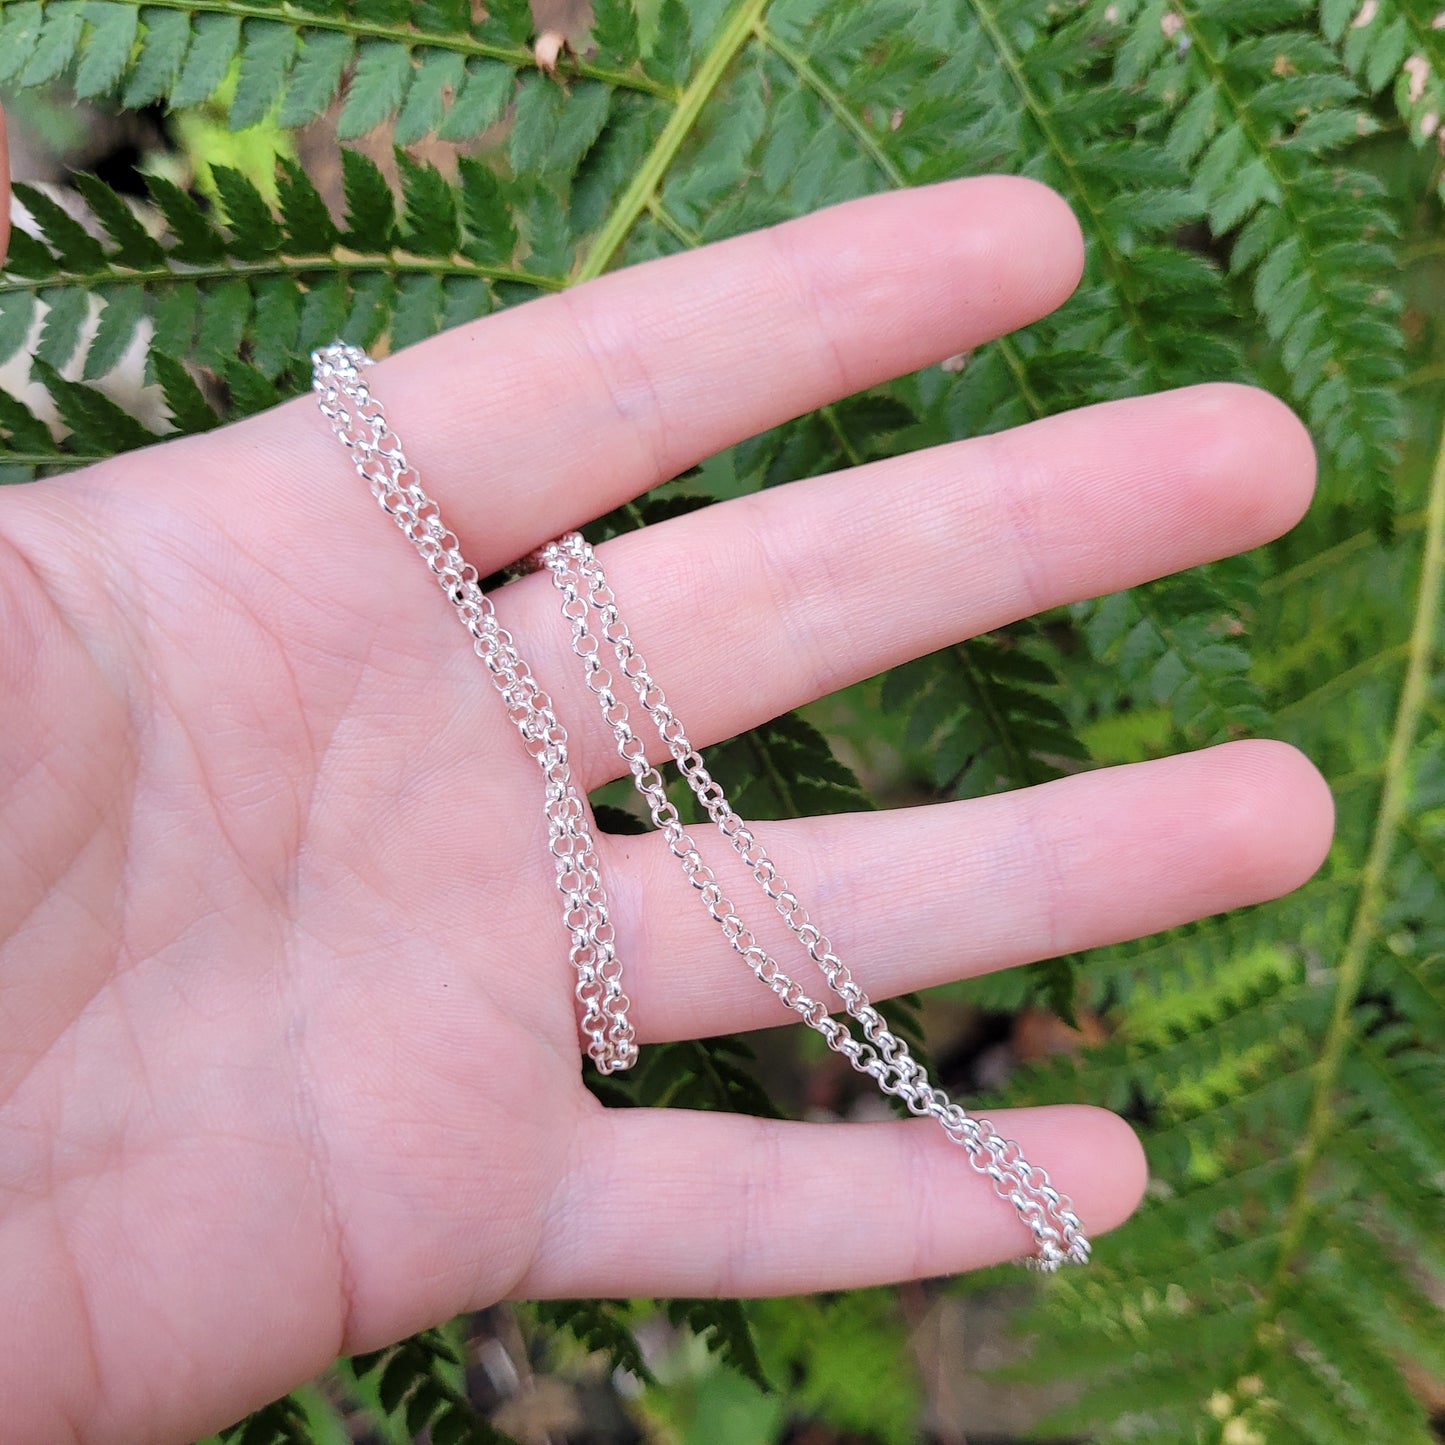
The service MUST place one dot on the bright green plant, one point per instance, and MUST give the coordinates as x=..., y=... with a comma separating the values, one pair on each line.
x=1258, y=184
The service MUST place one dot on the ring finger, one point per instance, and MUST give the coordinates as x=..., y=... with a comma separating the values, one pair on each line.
x=921, y=896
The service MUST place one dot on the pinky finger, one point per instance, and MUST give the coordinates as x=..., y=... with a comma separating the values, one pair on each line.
x=682, y=1204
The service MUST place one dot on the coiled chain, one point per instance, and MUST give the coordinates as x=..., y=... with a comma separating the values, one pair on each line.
x=359, y=420
x=881, y=1054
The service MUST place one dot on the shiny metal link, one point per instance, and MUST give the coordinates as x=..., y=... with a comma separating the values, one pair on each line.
x=359, y=421
x=1056, y=1229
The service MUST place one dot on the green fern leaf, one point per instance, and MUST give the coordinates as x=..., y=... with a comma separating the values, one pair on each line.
x=723, y=1324
x=250, y=389
x=431, y=210
x=113, y=30
x=513, y=18
x=17, y=316
x=672, y=46
x=215, y=43
x=614, y=28
x=20, y=27
x=383, y=77
x=74, y=247
x=134, y=246
x=419, y=1379
x=316, y=76
x=95, y=421
x=120, y=317
x=600, y=1326
x=439, y=74
x=24, y=432
x=165, y=36
x=254, y=231
x=197, y=241
x=188, y=408
x=66, y=311
x=59, y=39
x=538, y=113
x=307, y=222
x=268, y=50
x=481, y=101
x=224, y=313
x=370, y=207
x=283, y=1422
x=492, y=234
x=275, y=324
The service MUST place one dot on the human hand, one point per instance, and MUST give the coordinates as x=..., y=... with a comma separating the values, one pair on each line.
x=289, y=1062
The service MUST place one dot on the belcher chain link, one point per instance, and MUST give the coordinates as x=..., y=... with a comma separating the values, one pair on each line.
x=359, y=420
x=579, y=577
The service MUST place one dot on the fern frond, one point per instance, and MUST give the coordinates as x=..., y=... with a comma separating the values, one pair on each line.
x=419, y=1382
x=1304, y=1103
x=1399, y=45
x=724, y=1325
x=258, y=285
x=985, y=714
x=1256, y=108
x=384, y=60
x=600, y=1326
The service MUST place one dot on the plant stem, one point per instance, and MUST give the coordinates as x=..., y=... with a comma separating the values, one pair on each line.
x=639, y=194
x=1118, y=264
x=781, y=784
x=845, y=445
x=338, y=262
x=52, y=459
x=1423, y=376
x=1342, y=681
x=672, y=225
x=1414, y=695
x=1327, y=560
x=1019, y=763
x=805, y=72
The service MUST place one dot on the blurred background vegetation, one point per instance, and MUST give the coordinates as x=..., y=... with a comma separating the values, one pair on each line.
x=1260, y=186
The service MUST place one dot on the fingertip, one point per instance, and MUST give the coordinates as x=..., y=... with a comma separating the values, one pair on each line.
x=1102, y=1166
x=1035, y=247
x=1122, y=1144
x=1273, y=817
x=1055, y=219
x=1249, y=437
x=1304, y=804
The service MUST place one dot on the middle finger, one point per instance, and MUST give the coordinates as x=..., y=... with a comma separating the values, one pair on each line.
x=754, y=606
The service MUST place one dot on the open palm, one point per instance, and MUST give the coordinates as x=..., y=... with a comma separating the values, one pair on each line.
x=289, y=1061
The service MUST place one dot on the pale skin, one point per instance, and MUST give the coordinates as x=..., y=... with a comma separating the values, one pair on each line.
x=289, y=1062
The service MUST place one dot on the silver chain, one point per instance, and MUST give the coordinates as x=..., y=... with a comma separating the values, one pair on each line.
x=359, y=420
x=881, y=1054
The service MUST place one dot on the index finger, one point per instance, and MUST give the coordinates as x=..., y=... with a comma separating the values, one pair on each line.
x=534, y=420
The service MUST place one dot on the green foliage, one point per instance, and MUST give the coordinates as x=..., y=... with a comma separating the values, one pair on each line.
x=1287, y=1064
x=986, y=714
x=601, y=1326
x=418, y=1381
x=1258, y=184
x=282, y=1422
x=849, y=1354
